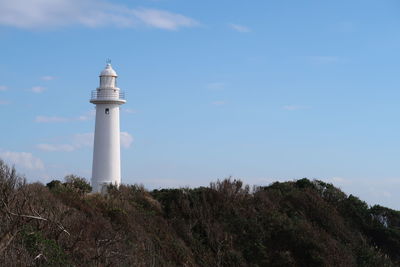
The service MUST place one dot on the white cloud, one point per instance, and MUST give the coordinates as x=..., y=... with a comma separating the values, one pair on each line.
x=50, y=147
x=77, y=141
x=38, y=89
x=130, y=111
x=294, y=107
x=45, y=119
x=49, y=119
x=3, y=88
x=218, y=103
x=2, y=102
x=48, y=78
x=22, y=159
x=85, y=117
x=126, y=139
x=82, y=140
x=340, y=181
x=163, y=19
x=38, y=14
x=239, y=28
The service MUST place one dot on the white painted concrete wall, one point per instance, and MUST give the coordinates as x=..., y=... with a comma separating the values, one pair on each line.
x=106, y=152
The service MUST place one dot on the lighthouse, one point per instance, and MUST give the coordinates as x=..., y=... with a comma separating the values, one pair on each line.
x=106, y=168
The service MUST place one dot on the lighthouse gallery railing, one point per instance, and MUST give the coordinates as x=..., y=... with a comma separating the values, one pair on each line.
x=106, y=94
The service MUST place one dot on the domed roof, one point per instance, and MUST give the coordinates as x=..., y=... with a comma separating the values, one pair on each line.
x=108, y=71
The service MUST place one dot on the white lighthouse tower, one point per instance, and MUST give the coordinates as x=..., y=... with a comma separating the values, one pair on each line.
x=108, y=97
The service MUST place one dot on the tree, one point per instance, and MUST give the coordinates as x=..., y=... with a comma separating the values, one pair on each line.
x=77, y=184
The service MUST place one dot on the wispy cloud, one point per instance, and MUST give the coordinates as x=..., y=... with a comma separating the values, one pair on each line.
x=294, y=107
x=3, y=88
x=54, y=119
x=129, y=111
x=22, y=159
x=85, y=117
x=51, y=147
x=163, y=19
x=39, y=14
x=324, y=59
x=126, y=139
x=218, y=103
x=345, y=27
x=38, y=89
x=340, y=181
x=46, y=119
x=2, y=102
x=239, y=28
x=216, y=86
x=82, y=140
x=48, y=78
x=77, y=141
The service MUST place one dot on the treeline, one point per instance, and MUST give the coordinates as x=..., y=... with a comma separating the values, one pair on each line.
x=299, y=223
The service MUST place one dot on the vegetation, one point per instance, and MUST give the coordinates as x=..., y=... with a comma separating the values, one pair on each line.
x=299, y=223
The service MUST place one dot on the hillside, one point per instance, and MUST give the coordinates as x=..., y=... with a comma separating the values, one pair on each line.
x=299, y=223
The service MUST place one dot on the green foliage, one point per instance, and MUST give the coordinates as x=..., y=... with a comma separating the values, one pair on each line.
x=45, y=252
x=73, y=185
x=54, y=185
x=77, y=184
x=304, y=183
x=297, y=223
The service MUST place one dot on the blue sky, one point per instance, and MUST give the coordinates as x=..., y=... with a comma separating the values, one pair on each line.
x=257, y=90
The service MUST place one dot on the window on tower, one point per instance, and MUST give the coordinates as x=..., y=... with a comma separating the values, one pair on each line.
x=107, y=111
